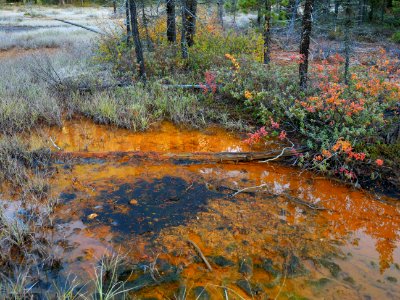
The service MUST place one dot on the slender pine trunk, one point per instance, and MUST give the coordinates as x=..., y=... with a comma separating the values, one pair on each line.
x=347, y=28
x=128, y=25
x=190, y=21
x=305, y=43
x=136, y=40
x=184, y=48
x=171, y=25
x=146, y=28
x=220, y=4
x=267, y=32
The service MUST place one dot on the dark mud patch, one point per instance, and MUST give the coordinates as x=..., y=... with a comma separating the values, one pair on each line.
x=147, y=207
x=13, y=28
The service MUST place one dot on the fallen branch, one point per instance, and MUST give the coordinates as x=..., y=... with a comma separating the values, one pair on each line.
x=280, y=154
x=248, y=188
x=55, y=145
x=201, y=254
x=299, y=201
x=183, y=86
x=193, y=156
x=81, y=26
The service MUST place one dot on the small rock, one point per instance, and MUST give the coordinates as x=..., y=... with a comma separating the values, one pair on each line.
x=295, y=267
x=320, y=283
x=246, y=266
x=268, y=266
x=249, y=288
x=349, y=279
x=133, y=202
x=391, y=279
x=92, y=216
x=221, y=261
x=333, y=268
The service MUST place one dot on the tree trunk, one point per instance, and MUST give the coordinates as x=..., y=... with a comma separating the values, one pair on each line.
x=360, y=17
x=347, y=28
x=267, y=32
x=171, y=25
x=136, y=40
x=128, y=25
x=337, y=4
x=115, y=7
x=305, y=43
x=234, y=9
x=184, y=49
x=259, y=16
x=293, y=17
x=371, y=11
x=190, y=21
x=146, y=28
x=220, y=4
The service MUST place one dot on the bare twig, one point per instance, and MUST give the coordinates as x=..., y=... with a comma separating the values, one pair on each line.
x=248, y=188
x=201, y=254
x=55, y=145
x=280, y=154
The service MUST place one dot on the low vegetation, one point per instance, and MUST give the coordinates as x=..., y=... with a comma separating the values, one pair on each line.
x=342, y=120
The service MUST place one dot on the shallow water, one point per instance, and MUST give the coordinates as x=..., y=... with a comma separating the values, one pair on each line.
x=297, y=236
x=84, y=135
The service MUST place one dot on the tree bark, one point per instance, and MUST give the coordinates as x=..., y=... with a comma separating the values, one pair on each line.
x=336, y=12
x=267, y=32
x=190, y=21
x=128, y=25
x=184, y=49
x=136, y=40
x=171, y=25
x=305, y=43
x=220, y=4
x=360, y=12
x=347, y=28
x=146, y=28
x=293, y=17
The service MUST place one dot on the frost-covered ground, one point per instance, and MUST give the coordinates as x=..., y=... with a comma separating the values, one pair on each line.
x=34, y=27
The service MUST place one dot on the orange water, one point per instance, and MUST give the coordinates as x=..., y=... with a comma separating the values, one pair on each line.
x=357, y=230
x=84, y=135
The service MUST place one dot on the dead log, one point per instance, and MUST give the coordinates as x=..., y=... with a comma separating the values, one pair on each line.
x=81, y=26
x=219, y=157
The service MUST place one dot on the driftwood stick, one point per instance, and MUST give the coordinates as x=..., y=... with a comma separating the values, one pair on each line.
x=198, y=250
x=193, y=156
x=81, y=26
x=54, y=144
x=248, y=188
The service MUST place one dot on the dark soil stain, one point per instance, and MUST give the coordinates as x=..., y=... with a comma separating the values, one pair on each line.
x=148, y=207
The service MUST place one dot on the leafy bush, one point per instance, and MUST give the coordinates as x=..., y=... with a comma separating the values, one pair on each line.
x=396, y=37
x=338, y=123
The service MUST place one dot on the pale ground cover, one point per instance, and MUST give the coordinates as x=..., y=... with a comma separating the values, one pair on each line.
x=35, y=27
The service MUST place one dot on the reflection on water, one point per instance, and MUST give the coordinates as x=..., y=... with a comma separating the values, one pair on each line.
x=294, y=236
x=84, y=135
x=357, y=232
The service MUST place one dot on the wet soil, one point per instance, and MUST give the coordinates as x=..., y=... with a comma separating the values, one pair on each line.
x=296, y=236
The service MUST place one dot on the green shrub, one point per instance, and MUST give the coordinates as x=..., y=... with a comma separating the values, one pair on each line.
x=396, y=37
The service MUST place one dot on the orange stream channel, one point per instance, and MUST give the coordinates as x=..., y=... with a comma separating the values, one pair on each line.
x=151, y=209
